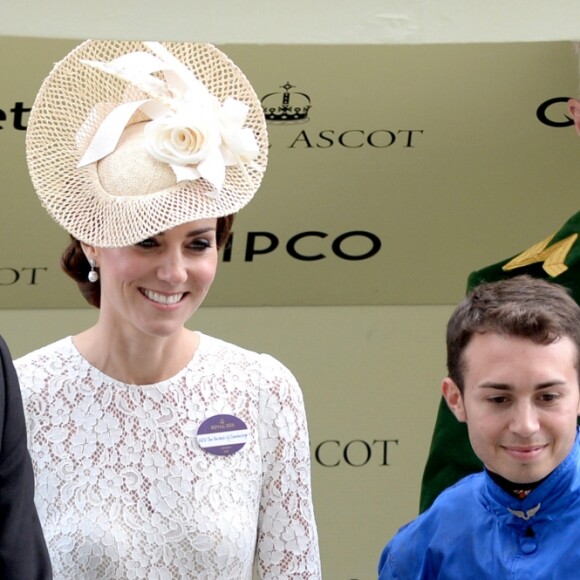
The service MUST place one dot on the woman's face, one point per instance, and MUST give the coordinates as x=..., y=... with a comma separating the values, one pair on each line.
x=156, y=285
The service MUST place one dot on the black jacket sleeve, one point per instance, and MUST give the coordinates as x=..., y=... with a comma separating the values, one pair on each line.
x=23, y=552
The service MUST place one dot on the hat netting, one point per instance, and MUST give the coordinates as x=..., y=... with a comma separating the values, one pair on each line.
x=75, y=198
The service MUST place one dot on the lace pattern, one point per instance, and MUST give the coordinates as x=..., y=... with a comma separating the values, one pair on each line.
x=124, y=490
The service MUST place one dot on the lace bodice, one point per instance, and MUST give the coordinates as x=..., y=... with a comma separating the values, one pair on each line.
x=124, y=489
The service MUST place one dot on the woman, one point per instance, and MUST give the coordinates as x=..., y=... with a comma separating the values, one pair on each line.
x=159, y=452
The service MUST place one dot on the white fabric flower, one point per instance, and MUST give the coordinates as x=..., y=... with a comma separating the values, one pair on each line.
x=189, y=128
x=185, y=137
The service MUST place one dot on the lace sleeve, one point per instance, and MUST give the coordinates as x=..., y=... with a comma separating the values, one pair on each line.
x=287, y=536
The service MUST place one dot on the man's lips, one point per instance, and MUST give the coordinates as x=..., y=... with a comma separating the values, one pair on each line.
x=528, y=452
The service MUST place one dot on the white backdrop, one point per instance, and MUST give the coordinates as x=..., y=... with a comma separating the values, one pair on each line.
x=301, y=21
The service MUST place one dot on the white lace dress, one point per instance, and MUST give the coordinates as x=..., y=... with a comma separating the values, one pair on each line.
x=124, y=489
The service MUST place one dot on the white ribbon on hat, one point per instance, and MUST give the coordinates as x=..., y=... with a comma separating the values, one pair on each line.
x=189, y=128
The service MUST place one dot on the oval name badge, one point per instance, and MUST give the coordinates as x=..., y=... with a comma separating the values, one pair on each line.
x=222, y=434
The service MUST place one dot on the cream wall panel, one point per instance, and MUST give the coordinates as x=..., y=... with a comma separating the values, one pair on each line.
x=370, y=378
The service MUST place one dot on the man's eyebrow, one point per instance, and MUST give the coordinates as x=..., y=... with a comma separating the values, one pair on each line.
x=497, y=386
x=508, y=387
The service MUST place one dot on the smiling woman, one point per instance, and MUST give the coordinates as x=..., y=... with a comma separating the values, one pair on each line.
x=160, y=452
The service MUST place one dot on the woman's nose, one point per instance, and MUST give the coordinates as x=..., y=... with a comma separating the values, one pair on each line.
x=172, y=268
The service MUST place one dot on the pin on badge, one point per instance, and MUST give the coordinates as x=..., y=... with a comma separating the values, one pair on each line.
x=222, y=434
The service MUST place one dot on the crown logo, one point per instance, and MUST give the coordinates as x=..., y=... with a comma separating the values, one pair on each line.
x=286, y=107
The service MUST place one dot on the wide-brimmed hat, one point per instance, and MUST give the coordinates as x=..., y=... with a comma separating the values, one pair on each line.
x=129, y=139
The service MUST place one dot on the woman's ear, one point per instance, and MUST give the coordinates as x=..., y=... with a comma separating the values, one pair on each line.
x=89, y=251
x=454, y=399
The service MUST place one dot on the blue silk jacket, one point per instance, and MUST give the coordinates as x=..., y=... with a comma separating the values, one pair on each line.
x=477, y=530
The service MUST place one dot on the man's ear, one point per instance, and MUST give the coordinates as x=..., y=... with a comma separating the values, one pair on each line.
x=574, y=109
x=454, y=399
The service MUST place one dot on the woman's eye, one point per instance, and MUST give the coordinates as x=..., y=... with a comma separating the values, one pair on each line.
x=148, y=243
x=201, y=244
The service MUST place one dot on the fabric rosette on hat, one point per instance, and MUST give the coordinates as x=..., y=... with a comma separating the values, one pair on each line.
x=128, y=139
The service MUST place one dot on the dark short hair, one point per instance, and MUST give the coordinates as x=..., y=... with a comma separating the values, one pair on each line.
x=521, y=306
x=74, y=262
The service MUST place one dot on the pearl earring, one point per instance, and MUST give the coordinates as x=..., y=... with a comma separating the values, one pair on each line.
x=93, y=274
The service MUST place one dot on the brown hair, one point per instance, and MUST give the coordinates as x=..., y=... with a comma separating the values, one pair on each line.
x=522, y=306
x=75, y=264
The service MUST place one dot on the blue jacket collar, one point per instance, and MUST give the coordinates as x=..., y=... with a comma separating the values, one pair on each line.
x=546, y=502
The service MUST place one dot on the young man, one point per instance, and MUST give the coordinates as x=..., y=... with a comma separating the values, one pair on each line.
x=513, y=357
x=556, y=258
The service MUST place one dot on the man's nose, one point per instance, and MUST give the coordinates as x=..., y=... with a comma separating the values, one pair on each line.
x=524, y=421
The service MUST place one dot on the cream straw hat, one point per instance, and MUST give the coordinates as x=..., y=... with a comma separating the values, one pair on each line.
x=128, y=139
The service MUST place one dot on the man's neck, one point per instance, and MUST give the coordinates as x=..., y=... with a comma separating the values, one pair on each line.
x=518, y=490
